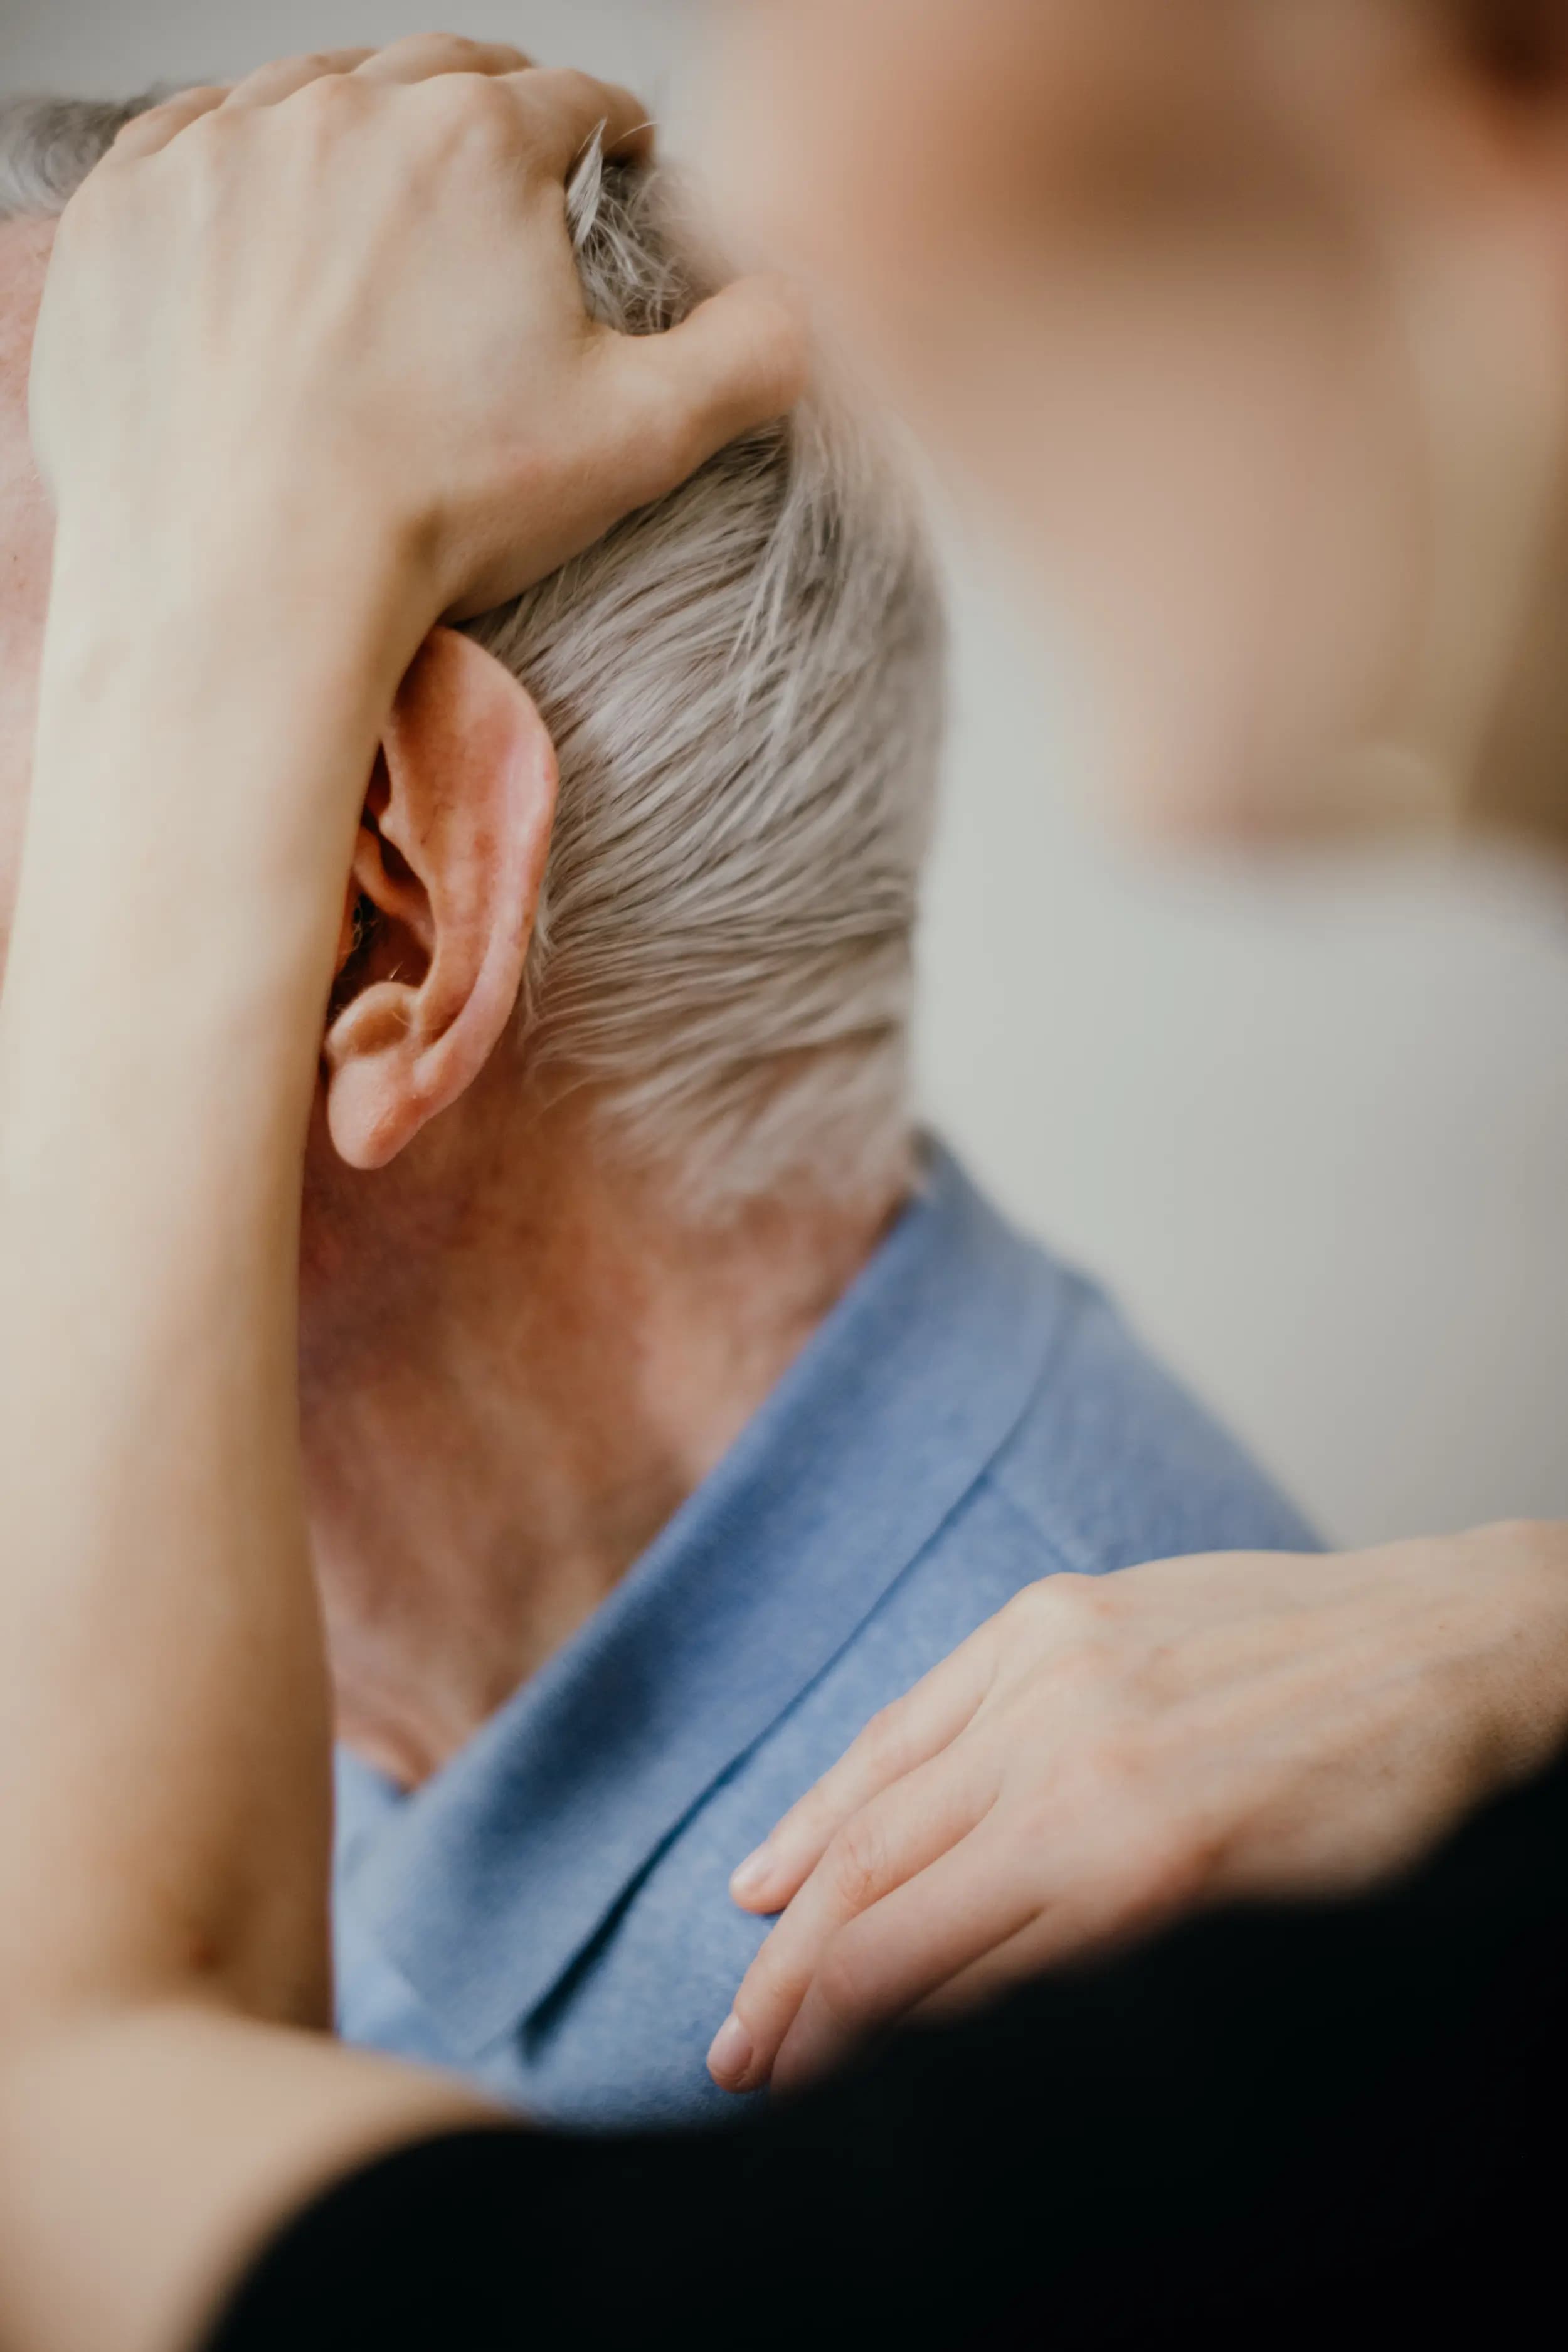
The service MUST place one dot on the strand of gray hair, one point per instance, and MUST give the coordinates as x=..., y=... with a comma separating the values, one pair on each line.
x=744, y=682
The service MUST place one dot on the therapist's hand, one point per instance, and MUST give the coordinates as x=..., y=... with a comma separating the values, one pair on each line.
x=338, y=301
x=1108, y=1752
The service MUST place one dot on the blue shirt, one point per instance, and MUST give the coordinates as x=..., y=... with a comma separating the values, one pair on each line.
x=548, y=1913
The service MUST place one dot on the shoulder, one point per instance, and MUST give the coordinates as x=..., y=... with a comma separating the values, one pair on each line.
x=1092, y=1454
x=1115, y=1461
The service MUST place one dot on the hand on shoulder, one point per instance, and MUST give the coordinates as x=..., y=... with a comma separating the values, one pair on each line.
x=1108, y=1752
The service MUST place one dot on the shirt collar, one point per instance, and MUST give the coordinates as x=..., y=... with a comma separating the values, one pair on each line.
x=485, y=1886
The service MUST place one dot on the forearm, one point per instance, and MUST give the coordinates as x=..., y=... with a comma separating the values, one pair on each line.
x=163, y=1727
x=356, y=310
x=162, y=1722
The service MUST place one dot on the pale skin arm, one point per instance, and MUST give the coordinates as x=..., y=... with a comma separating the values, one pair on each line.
x=1107, y=1753
x=312, y=371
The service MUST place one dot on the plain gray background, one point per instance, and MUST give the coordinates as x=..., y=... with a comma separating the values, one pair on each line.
x=1313, y=1127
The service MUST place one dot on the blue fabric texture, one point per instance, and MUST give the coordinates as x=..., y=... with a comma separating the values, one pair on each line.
x=548, y=1914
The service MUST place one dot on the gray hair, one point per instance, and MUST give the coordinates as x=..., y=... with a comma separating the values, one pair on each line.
x=49, y=145
x=744, y=682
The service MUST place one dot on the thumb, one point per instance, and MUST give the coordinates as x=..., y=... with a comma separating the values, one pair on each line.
x=739, y=360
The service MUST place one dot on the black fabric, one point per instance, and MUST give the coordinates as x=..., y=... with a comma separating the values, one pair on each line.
x=1327, y=2126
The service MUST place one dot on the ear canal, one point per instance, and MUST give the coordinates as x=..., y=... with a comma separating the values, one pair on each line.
x=451, y=858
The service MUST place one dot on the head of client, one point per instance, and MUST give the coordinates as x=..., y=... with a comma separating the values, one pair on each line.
x=667, y=1408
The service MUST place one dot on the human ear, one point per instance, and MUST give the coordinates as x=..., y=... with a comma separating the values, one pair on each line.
x=447, y=875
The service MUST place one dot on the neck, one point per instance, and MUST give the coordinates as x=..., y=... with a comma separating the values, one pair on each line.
x=493, y=1441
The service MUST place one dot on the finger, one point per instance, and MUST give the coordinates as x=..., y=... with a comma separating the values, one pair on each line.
x=565, y=109
x=955, y=1937
x=1107, y=1899
x=739, y=361
x=271, y=83
x=888, y=1843
x=971, y=1901
x=896, y=1742
x=147, y=133
x=1066, y=1932
x=422, y=55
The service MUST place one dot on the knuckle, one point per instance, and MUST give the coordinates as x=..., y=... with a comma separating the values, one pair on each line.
x=339, y=90
x=750, y=2001
x=882, y=1740
x=178, y=104
x=563, y=93
x=132, y=134
x=773, y=1984
x=1047, y=1604
x=452, y=54
x=564, y=86
x=331, y=99
x=764, y=1990
x=1081, y=1599
x=430, y=44
x=1069, y=1620
x=858, y=1862
x=203, y=153
x=472, y=109
x=490, y=100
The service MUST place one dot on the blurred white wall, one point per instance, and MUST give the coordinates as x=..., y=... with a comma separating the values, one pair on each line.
x=1313, y=1128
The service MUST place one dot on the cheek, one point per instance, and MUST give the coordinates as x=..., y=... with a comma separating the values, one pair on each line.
x=872, y=133
x=1124, y=318
x=1213, y=475
x=1116, y=296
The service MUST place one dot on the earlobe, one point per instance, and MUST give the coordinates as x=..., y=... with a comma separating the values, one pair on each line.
x=448, y=871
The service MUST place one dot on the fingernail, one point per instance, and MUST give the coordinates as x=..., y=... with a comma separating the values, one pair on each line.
x=749, y=1877
x=731, y=2054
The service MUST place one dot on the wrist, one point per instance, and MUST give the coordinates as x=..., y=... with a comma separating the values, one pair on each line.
x=208, y=719
x=219, y=688
x=335, y=595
